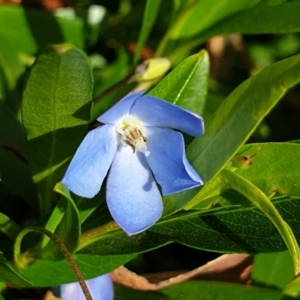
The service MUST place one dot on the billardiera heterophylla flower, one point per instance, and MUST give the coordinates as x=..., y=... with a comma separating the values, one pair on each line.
x=100, y=288
x=138, y=147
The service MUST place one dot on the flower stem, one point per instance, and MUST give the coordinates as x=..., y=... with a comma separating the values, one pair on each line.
x=18, y=257
x=112, y=88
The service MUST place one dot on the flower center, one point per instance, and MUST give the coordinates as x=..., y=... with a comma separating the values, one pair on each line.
x=131, y=129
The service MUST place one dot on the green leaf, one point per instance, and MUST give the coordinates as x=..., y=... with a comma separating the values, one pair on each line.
x=27, y=32
x=125, y=293
x=50, y=273
x=272, y=269
x=9, y=227
x=15, y=173
x=186, y=85
x=9, y=275
x=209, y=290
x=267, y=170
x=263, y=18
x=262, y=202
x=56, y=114
x=64, y=222
x=150, y=14
x=203, y=14
x=275, y=168
x=243, y=109
x=224, y=229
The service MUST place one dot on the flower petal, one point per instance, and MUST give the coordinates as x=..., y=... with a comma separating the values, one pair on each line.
x=91, y=161
x=120, y=109
x=101, y=288
x=156, y=112
x=132, y=195
x=168, y=161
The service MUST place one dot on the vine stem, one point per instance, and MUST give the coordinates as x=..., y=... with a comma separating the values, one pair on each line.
x=61, y=246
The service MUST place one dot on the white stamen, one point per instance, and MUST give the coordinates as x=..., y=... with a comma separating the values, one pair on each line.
x=130, y=130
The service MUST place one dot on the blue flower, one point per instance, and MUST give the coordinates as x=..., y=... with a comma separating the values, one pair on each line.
x=136, y=145
x=101, y=288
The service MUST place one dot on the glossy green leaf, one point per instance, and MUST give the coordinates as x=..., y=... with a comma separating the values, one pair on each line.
x=186, y=85
x=263, y=18
x=50, y=273
x=203, y=14
x=274, y=168
x=262, y=202
x=267, y=170
x=235, y=229
x=8, y=227
x=150, y=14
x=64, y=222
x=272, y=269
x=9, y=275
x=239, y=113
x=209, y=290
x=56, y=114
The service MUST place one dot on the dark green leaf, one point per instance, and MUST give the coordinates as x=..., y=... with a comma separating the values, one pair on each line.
x=237, y=230
x=55, y=114
x=14, y=171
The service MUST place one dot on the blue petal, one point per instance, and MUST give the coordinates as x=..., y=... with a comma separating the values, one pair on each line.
x=132, y=195
x=101, y=288
x=156, y=112
x=168, y=161
x=91, y=161
x=120, y=109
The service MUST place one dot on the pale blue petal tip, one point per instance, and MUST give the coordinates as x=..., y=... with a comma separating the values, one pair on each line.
x=157, y=112
x=168, y=161
x=91, y=162
x=120, y=109
x=133, y=198
x=100, y=288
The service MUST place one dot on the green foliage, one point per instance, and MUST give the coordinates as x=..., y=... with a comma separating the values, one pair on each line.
x=55, y=114
x=250, y=201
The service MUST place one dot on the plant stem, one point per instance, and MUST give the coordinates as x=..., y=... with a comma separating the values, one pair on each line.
x=61, y=246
